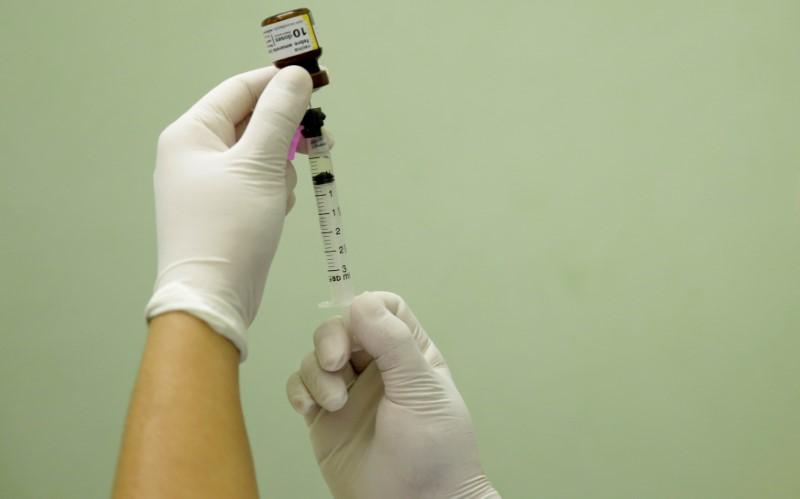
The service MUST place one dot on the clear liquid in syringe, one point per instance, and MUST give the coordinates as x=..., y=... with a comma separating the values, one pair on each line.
x=329, y=213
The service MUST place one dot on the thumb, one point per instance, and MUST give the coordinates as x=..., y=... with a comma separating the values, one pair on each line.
x=408, y=378
x=277, y=115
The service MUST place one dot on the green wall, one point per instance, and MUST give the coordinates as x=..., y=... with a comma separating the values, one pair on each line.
x=592, y=206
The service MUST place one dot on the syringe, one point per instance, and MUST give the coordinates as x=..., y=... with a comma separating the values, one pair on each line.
x=328, y=210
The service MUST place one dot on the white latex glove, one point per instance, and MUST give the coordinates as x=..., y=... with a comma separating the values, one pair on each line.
x=222, y=189
x=387, y=421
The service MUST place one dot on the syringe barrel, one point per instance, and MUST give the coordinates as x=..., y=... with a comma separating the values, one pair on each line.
x=329, y=212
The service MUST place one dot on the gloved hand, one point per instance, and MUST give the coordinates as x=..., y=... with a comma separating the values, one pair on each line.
x=222, y=189
x=386, y=421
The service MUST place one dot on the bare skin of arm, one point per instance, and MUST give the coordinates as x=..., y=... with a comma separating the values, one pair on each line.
x=185, y=434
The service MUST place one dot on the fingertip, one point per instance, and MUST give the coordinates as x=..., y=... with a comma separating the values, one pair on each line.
x=301, y=405
x=368, y=309
x=367, y=305
x=391, y=301
x=334, y=362
x=296, y=77
x=299, y=398
x=374, y=325
x=332, y=354
x=332, y=344
x=336, y=402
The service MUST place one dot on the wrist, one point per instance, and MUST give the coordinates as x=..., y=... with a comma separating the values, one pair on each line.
x=223, y=318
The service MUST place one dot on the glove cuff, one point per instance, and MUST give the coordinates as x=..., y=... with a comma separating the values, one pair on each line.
x=220, y=316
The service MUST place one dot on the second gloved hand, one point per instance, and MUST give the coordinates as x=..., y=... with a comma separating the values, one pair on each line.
x=222, y=188
x=387, y=421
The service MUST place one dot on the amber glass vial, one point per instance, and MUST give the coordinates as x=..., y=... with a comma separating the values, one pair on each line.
x=292, y=41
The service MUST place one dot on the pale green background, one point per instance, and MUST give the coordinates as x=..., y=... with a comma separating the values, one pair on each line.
x=592, y=206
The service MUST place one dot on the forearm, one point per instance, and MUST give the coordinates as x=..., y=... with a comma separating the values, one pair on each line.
x=185, y=434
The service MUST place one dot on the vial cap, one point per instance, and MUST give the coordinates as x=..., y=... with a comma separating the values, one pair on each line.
x=312, y=122
x=320, y=79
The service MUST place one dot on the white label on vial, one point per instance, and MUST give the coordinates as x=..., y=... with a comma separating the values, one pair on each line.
x=290, y=37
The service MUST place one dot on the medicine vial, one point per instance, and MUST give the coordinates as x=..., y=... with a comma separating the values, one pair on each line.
x=292, y=41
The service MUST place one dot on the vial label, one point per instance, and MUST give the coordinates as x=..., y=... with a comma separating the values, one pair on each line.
x=290, y=37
